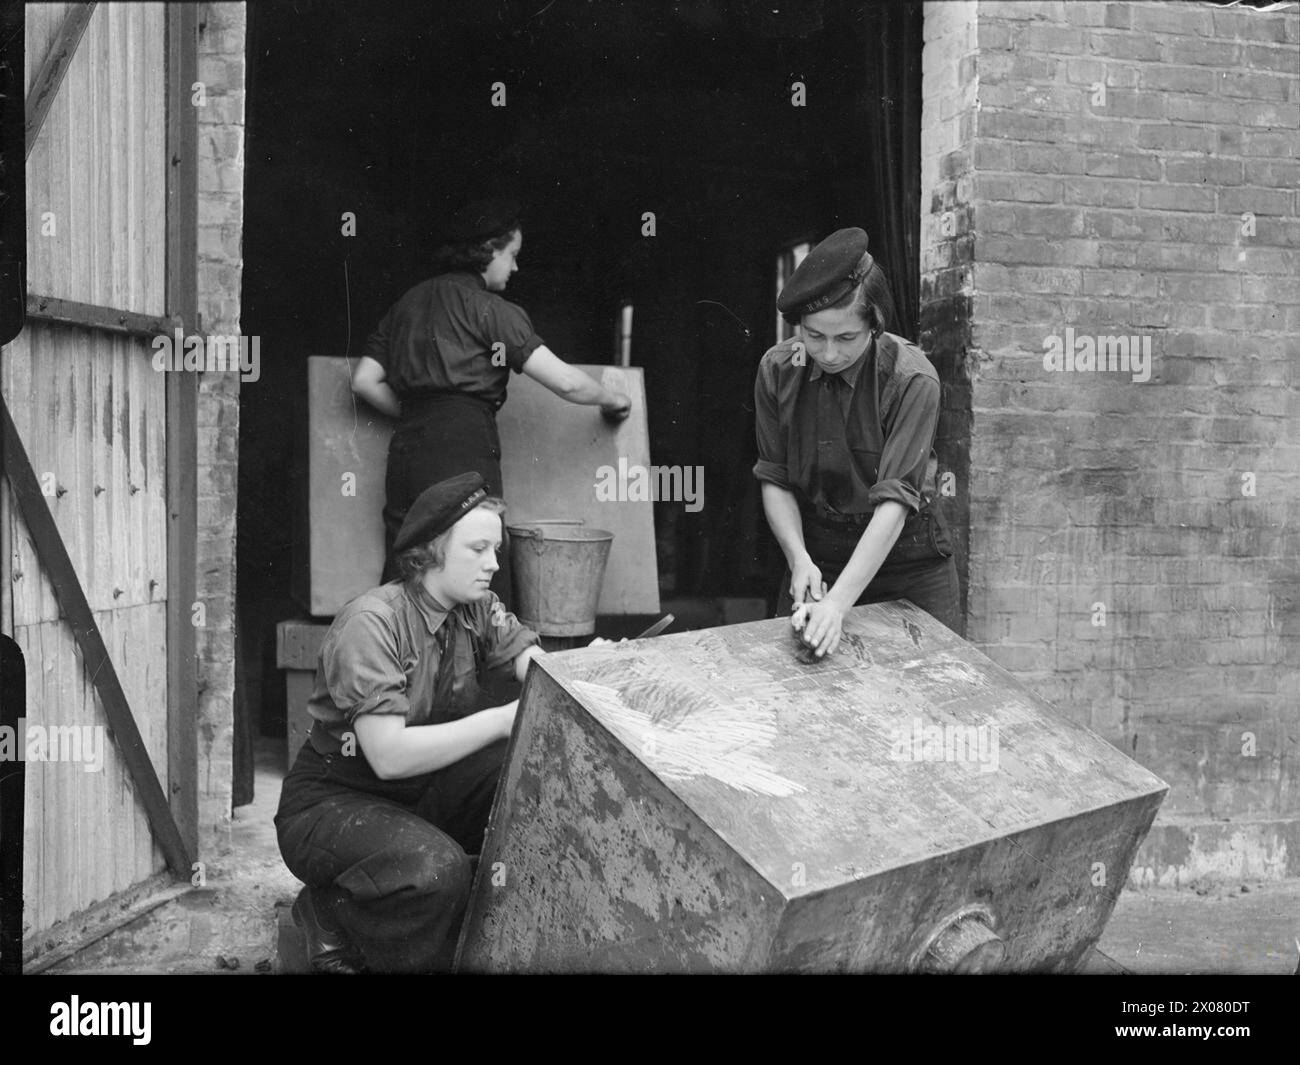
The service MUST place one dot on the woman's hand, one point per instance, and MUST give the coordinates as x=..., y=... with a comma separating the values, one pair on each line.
x=617, y=408
x=820, y=625
x=600, y=641
x=806, y=584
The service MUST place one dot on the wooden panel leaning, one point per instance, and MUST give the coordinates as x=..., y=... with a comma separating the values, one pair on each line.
x=705, y=801
x=552, y=455
x=562, y=461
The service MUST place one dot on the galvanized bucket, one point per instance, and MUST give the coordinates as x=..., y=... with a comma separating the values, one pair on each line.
x=558, y=569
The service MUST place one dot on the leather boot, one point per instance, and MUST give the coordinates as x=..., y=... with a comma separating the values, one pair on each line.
x=327, y=948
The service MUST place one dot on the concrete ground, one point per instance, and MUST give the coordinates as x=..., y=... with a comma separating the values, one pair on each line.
x=1238, y=928
x=230, y=926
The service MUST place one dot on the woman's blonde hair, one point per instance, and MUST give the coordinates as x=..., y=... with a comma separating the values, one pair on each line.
x=414, y=562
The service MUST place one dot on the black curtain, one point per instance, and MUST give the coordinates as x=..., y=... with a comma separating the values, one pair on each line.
x=892, y=102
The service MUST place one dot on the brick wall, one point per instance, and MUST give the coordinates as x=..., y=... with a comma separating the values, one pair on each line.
x=220, y=266
x=948, y=107
x=1087, y=167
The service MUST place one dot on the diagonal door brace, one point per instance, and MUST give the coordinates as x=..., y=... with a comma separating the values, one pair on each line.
x=53, y=555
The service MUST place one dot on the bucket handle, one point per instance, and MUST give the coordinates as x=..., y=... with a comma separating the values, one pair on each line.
x=534, y=528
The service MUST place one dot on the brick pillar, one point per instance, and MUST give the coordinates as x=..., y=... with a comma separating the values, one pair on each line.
x=948, y=105
x=220, y=267
x=1106, y=170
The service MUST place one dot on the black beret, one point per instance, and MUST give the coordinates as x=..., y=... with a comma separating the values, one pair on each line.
x=438, y=508
x=481, y=220
x=828, y=273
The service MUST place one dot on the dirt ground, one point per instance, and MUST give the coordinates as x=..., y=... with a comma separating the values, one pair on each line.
x=230, y=926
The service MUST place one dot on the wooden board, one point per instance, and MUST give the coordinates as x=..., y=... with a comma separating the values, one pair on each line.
x=297, y=649
x=91, y=412
x=298, y=686
x=551, y=451
x=552, y=454
x=706, y=801
x=298, y=643
x=347, y=454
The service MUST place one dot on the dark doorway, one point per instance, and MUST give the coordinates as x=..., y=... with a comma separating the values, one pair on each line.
x=612, y=110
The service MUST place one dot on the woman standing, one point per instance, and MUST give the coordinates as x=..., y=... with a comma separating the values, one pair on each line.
x=846, y=419
x=441, y=359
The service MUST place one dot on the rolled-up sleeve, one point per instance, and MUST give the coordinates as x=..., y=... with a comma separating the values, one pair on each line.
x=505, y=637
x=907, y=446
x=363, y=671
x=771, y=464
x=505, y=323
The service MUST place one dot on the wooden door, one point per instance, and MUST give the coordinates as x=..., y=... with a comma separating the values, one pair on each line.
x=109, y=441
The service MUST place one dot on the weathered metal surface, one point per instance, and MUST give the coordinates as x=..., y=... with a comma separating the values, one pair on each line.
x=705, y=801
x=602, y=868
x=552, y=455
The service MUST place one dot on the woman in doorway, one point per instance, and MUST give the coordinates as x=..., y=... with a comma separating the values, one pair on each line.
x=846, y=414
x=441, y=359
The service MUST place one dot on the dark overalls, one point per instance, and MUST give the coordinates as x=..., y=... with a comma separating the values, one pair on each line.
x=843, y=446
x=920, y=566
x=448, y=347
x=441, y=435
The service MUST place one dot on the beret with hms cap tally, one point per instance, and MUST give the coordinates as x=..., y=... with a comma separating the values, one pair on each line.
x=482, y=219
x=828, y=273
x=438, y=508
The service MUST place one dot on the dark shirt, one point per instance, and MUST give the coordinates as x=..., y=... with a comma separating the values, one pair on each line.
x=440, y=337
x=850, y=444
x=382, y=653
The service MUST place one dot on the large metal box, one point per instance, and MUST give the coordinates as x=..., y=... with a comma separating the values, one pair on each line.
x=706, y=801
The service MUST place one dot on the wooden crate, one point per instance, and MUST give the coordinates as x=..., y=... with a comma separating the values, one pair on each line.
x=297, y=646
x=706, y=801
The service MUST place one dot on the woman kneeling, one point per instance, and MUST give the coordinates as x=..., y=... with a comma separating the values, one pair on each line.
x=390, y=795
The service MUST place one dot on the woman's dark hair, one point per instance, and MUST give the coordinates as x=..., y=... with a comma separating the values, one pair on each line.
x=477, y=232
x=872, y=301
x=473, y=256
